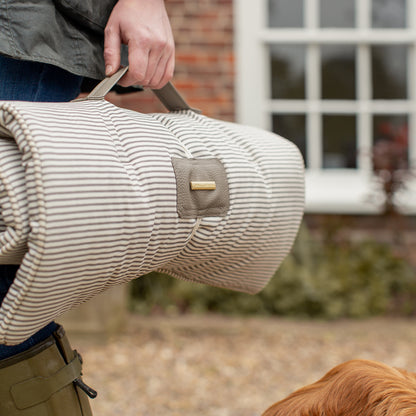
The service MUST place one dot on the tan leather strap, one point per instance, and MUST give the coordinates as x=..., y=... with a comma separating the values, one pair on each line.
x=104, y=87
x=169, y=96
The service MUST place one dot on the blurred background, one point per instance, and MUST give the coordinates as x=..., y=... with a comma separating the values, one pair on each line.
x=338, y=78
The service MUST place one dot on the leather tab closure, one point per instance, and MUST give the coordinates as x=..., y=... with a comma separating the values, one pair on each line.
x=202, y=188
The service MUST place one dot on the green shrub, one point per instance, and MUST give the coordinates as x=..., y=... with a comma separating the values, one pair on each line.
x=318, y=279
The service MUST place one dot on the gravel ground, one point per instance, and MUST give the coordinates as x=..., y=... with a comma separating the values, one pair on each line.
x=219, y=366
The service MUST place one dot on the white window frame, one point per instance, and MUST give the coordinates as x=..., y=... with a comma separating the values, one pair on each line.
x=329, y=190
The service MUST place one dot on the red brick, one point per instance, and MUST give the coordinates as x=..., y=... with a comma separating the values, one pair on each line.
x=204, y=74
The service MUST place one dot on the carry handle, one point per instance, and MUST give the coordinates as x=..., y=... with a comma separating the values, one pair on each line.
x=168, y=95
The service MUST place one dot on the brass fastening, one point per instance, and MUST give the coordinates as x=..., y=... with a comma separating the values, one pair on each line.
x=203, y=186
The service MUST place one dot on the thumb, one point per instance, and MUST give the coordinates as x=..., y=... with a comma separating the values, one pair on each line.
x=112, y=46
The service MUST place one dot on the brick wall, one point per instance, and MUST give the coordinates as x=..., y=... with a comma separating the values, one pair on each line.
x=204, y=73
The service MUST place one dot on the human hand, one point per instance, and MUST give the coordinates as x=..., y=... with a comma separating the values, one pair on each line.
x=144, y=26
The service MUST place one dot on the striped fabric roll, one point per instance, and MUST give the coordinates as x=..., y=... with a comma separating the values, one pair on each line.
x=89, y=200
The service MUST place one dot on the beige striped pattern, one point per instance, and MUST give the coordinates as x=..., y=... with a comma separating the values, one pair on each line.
x=88, y=200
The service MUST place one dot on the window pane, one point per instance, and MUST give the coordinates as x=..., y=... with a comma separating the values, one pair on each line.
x=389, y=64
x=390, y=137
x=338, y=72
x=337, y=13
x=288, y=71
x=292, y=127
x=339, y=141
x=285, y=13
x=389, y=13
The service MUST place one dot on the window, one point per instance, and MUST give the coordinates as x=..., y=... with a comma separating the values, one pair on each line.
x=334, y=76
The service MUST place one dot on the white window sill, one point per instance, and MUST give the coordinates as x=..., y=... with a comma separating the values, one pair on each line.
x=350, y=192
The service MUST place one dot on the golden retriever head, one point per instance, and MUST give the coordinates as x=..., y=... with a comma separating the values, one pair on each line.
x=354, y=388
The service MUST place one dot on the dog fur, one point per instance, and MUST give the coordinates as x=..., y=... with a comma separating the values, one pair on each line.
x=354, y=388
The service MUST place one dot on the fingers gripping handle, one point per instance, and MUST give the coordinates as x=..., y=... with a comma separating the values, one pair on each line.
x=168, y=95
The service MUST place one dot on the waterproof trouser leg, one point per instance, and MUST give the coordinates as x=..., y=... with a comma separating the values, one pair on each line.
x=44, y=381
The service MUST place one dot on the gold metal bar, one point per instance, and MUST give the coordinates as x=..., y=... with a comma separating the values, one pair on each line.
x=203, y=186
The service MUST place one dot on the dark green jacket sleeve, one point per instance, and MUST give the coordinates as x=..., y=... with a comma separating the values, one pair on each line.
x=66, y=33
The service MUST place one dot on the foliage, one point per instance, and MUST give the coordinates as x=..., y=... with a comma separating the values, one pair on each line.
x=320, y=278
x=391, y=162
